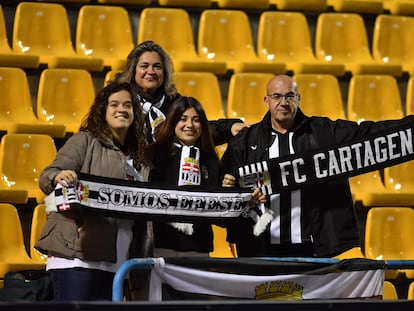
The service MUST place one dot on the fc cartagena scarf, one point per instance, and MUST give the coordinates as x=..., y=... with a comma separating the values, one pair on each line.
x=377, y=151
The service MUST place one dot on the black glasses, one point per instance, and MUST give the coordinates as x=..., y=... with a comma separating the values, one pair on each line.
x=278, y=97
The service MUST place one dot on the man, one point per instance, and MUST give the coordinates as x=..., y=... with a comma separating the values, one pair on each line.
x=315, y=220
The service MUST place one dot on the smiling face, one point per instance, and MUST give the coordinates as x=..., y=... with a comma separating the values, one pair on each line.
x=188, y=128
x=119, y=114
x=149, y=73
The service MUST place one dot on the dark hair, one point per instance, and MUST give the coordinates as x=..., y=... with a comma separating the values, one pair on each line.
x=95, y=121
x=128, y=74
x=166, y=135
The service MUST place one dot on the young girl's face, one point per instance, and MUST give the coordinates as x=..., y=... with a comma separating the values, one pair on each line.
x=188, y=128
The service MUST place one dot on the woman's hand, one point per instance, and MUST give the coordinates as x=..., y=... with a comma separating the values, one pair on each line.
x=66, y=178
x=258, y=196
x=229, y=180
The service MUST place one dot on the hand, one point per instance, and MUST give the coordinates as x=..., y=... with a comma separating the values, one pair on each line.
x=228, y=180
x=66, y=178
x=237, y=127
x=258, y=196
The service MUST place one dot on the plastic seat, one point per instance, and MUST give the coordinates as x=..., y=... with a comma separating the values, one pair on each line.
x=342, y=38
x=48, y=35
x=246, y=96
x=222, y=248
x=320, y=95
x=409, y=97
x=10, y=58
x=388, y=236
x=357, y=6
x=104, y=32
x=205, y=87
x=13, y=254
x=131, y=2
x=38, y=221
x=243, y=4
x=16, y=112
x=398, y=178
x=392, y=41
x=110, y=75
x=410, y=294
x=354, y=252
x=156, y=24
x=186, y=3
x=390, y=293
x=374, y=98
x=23, y=157
x=285, y=37
x=226, y=36
x=399, y=7
x=300, y=5
x=64, y=97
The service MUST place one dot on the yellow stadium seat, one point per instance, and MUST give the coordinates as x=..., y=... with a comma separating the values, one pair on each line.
x=222, y=248
x=390, y=293
x=409, y=97
x=398, y=178
x=357, y=6
x=243, y=4
x=354, y=252
x=38, y=221
x=22, y=158
x=388, y=236
x=104, y=32
x=342, y=38
x=205, y=87
x=300, y=5
x=64, y=97
x=110, y=75
x=320, y=95
x=48, y=35
x=392, y=41
x=156, y=23
x=10, y=58
x=399, y=7
x=285, y=37
x=374, y=98
x=226, y=36
x=410, y=294
x=16, y=112
x=186, y=3
x=131, y=2
x=246, y=96
x=13, y=254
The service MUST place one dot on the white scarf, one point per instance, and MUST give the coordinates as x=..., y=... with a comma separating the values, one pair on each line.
x=154, y=115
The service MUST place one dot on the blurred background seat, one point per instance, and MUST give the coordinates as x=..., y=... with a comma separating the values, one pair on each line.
x=357, y=6
x=300, y=5
x=38, y=221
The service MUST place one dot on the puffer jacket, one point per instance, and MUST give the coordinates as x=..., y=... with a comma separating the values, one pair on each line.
x=77, y=234
x=328, y=215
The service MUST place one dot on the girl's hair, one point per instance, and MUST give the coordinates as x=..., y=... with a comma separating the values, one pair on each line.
x=166, y=135
x=128, y=75
x=95, y=121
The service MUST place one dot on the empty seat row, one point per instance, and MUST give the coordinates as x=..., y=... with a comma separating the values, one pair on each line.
x=224, y=41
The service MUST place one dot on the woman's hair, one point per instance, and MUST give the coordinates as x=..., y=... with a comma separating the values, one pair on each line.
x=128, y=75
x=166, y=135
x=95, y=121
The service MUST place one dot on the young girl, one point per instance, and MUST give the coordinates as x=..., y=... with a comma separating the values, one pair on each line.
x=184, y=154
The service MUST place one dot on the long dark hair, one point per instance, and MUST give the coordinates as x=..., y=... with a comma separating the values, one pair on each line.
x=95, y=121
x=164, y=144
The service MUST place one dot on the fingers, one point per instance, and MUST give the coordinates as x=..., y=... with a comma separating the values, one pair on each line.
x=66, y=178
x=229, y=180
x=258, y=196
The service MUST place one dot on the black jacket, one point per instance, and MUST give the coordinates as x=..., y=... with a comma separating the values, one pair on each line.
x=328, y=214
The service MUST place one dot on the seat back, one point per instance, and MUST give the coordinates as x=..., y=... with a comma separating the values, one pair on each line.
x=244, y=4
x=4, y=41
x=389, y=232
x=23, y=158
x=203, y=86
x=65, y=96
x=186, y=3
x=409, y=97
x=341, y=37
x=156, y=24
x=133, y=2
x=246, y=96
x=392, y=39
x=42, y=29
x=38, y=221
x=225, y=35
x=284, y=37
x=222, y=248
x=301, y=5
x=104, y=31
x=374, y=97
x=320, y=95
x=410, y=294
x=399, y=177
x=11, y=235
x=15, y=99
x=390, y=292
